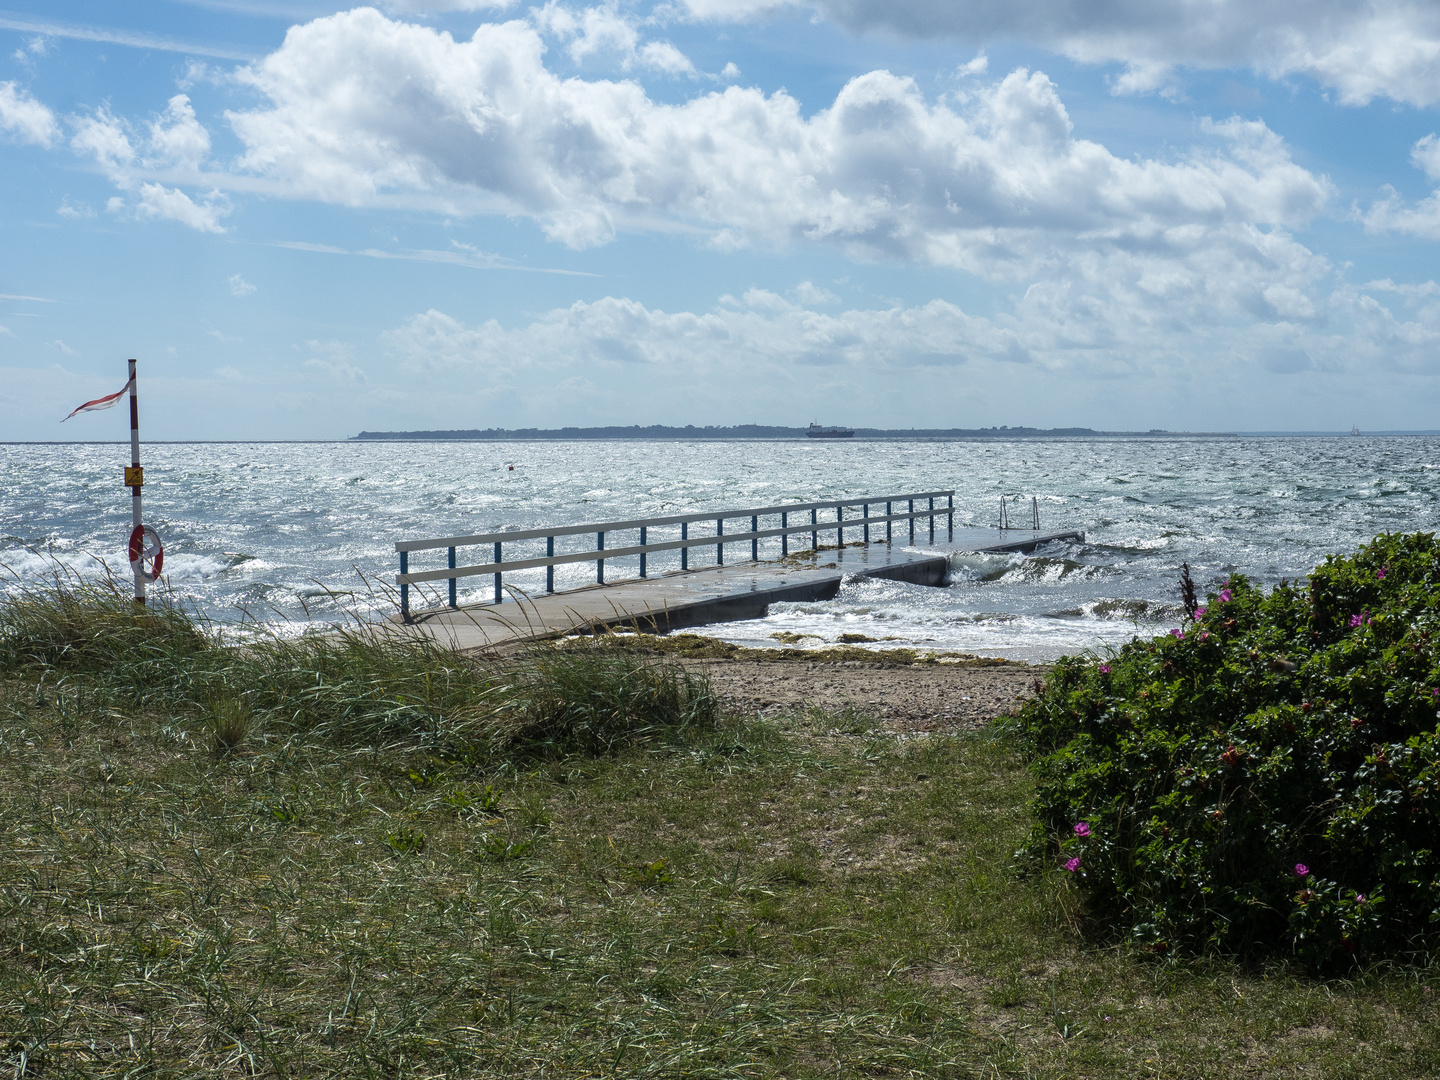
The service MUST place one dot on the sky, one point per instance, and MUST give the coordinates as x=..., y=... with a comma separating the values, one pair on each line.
x=306, y=221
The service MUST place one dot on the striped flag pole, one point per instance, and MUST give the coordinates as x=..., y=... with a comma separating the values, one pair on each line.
x=135, y=477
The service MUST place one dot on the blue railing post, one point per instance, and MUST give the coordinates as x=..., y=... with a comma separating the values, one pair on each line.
x=498, y=593
x=452, y=580
x=867, y=523
x=600, y=563
x=404, y=587
x=912, y=521
x=754, y=540
x=684, y=551
x=839, y=525
x=720, y=547
x=642, y=554
x=784, y=536
x=814, y=533
x=550, y=570
x=932, y=519
x=888, y=523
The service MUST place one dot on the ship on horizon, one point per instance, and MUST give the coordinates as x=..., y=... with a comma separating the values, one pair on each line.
x=820, y=431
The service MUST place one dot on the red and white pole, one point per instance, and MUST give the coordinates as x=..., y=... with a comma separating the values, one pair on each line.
x=135, y=478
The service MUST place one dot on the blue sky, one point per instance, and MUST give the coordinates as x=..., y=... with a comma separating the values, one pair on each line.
x=308, y=221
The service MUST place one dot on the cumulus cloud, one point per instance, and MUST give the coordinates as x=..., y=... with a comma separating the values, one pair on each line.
x=239, y=286
x=175, y=142
x=26, y=119
x=420, y=7
x=1391, y=213
x=1377, y=48
x=361, y=109
x=605, y=32
x=156, y=201
x=1088, y=329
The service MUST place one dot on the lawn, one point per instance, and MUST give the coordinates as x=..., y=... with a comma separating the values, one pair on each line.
x=793, y=894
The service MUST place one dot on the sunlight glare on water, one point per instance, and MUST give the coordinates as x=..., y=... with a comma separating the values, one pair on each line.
x=295, y=533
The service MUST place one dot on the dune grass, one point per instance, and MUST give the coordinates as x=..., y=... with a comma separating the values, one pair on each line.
x=686, y=893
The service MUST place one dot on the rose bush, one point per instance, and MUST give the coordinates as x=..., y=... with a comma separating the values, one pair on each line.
x=1267, y=781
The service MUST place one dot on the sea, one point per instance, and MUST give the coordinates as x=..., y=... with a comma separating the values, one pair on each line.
x=290, y=537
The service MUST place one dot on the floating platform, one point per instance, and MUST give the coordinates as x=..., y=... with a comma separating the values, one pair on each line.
x=713, y=594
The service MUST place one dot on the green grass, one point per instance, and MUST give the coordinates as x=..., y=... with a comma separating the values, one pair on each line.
x=730, y=897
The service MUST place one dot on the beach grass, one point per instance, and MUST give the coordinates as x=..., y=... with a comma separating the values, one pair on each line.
x=206, y=877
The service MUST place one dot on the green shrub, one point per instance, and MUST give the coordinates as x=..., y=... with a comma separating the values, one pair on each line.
x=1263, y=779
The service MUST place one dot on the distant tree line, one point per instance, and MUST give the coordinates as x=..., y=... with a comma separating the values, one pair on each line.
x=736, y=431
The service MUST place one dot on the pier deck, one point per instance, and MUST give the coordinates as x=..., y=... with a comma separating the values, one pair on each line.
x=714, y=593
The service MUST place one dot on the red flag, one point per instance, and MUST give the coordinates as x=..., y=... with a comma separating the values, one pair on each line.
x=101, y=402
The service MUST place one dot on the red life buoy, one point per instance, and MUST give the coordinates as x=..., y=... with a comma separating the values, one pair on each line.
x=145, y=547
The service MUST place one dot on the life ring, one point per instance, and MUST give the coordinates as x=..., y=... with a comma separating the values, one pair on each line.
x=145, y=547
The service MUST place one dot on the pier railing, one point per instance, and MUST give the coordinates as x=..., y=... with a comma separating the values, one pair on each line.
x=719, y=539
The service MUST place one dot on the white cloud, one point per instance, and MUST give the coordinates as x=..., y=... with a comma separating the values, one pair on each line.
x=1222, y=334
x=177, y=140
x=1426, y=156
x=75, y=211
x=605, y=33
x=811, y=295
x=25, y=118
x=332, y=361
x=174, y=143
x=1364, y=50
x=171, y=204
x=103, y=138
x=1390, y=212
x=239, y=286
x=418, y=7
x=362, y=109
x=662, y=56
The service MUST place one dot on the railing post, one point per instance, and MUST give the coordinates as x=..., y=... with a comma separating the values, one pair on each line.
x=951, y=515
x=866, y=515
x=452, y=580
x=888, y=534
x=684, y=551
x=754, y=540
x=720, y=547
x=839, y=525
x=404, y=587
x=498, y=594
x=932, y=519
x=642, y=554
x=600, y=563
x=814, y=533
x=1035, y=510
x=784, y=536
x=550, y=570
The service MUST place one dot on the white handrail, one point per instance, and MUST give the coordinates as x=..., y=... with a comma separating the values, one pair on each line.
x=499, y=566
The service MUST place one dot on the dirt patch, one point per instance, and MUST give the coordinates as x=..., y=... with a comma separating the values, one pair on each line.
x=912, y=698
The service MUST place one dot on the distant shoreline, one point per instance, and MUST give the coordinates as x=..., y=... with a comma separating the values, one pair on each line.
x=751, y=431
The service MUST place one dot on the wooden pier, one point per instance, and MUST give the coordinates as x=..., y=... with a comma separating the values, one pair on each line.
x=902, y=546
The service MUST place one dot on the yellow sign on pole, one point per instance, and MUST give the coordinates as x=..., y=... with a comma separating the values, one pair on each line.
x=134, y=475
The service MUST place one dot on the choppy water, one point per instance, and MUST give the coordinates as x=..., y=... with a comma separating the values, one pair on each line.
x=287, y=533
